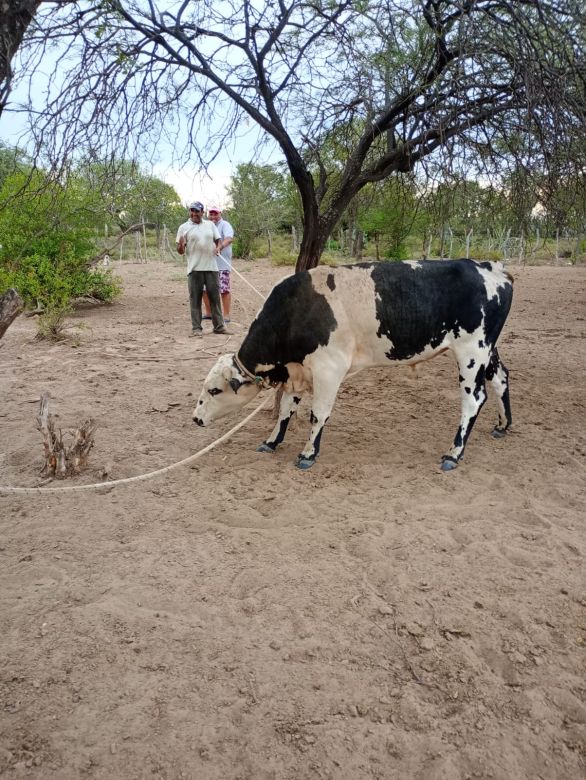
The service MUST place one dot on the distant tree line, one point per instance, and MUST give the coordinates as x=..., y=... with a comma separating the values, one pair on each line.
x=411, y=216
x=351, y=93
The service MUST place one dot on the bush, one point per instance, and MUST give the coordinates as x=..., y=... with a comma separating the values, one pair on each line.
x=46, y=244
x=280, y=257
x=398, y=252
x=51, y=323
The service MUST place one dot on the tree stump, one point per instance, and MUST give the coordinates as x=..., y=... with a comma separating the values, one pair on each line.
x=10, y=307
x=61, y=460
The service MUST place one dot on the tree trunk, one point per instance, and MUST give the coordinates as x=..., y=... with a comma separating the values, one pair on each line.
x=15, y=17
x=10, y=307
x=313, y=243
x=468, y=240
x=358, y=244
x=577, y=246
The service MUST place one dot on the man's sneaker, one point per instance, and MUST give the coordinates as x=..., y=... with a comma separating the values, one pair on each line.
x=224, y=332
x=196, y=334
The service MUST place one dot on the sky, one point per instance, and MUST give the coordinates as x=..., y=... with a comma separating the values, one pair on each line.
x=189, y=181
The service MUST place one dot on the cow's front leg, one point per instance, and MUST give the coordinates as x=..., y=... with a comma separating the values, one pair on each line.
x=287, y=408
x=325, y=389
x=473, y=395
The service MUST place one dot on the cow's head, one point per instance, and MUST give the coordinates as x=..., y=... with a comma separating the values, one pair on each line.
x=225, y=390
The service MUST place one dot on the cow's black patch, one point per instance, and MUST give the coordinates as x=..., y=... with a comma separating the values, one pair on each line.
x=294, y=321
x=472, y=363
x=331, y=282
x=417, y=305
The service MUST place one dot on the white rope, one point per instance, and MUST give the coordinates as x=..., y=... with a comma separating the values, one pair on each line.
x=139, y=477
x=264, y=297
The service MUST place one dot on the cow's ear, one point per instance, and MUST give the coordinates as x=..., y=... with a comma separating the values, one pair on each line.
x=235, y=384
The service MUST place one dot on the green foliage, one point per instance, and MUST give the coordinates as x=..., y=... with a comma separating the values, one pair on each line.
x=261, y=202
x=46, y=243
x=51, y=323
x=121, y=194
x=386, y=213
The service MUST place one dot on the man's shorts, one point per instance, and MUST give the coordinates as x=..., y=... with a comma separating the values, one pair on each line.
x=224, y=282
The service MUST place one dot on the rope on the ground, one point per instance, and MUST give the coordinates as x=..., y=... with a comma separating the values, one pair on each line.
x=106, y=486
x=150, y=474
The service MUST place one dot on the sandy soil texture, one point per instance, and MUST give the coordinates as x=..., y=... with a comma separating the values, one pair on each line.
x=239, y=619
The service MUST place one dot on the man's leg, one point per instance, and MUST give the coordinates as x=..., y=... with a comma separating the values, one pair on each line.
x=213, y=288
x=195, y=283
x=225, y=294
x=206, y=303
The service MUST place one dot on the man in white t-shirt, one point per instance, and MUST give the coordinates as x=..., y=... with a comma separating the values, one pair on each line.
x=199, y=241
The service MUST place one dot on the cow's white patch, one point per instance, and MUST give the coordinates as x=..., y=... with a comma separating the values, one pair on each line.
x=493, y=280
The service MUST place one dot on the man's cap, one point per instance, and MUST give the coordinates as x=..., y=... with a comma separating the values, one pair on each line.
x=196, y=206
x=215, y=208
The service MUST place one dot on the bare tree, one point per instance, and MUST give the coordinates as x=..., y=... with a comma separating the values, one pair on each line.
x=350, y=93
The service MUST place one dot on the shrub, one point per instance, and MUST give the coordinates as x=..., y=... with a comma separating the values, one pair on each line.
x=46, y=244
x=51, y=323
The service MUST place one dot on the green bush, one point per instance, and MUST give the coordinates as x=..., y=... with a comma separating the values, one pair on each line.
x=280, y=257
x=46, y=244
x=398, y=252
x=44, y=282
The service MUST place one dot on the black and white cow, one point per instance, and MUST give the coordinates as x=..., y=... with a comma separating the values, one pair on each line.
x=317, y=326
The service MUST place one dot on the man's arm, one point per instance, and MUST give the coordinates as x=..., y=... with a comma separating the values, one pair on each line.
x=217, y=238
x=181, y=240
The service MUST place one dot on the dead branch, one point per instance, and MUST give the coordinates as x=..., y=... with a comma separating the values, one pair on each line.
x=60, y=460
x=108, y=251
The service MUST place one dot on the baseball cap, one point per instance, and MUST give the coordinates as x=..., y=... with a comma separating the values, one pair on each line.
x=215, y=208
x=196, y=205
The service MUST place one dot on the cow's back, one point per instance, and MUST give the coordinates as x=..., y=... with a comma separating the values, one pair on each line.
x=415, y=306
x=387, y=310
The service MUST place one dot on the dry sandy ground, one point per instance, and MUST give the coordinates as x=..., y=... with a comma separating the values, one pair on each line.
x=237, y=618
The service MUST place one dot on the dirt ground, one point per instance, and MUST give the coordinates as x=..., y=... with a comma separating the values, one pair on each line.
x=237, y=618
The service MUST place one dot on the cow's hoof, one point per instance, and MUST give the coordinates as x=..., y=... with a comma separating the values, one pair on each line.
x=304, y=463
x=498, y=433
x=448, y=463
x=264, y=447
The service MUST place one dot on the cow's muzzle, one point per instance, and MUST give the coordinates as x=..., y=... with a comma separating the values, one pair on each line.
x=197, y=421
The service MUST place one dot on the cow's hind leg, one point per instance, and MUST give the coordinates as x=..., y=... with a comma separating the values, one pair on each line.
x=473, y=395
x=287, y=408
x=498, y=376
